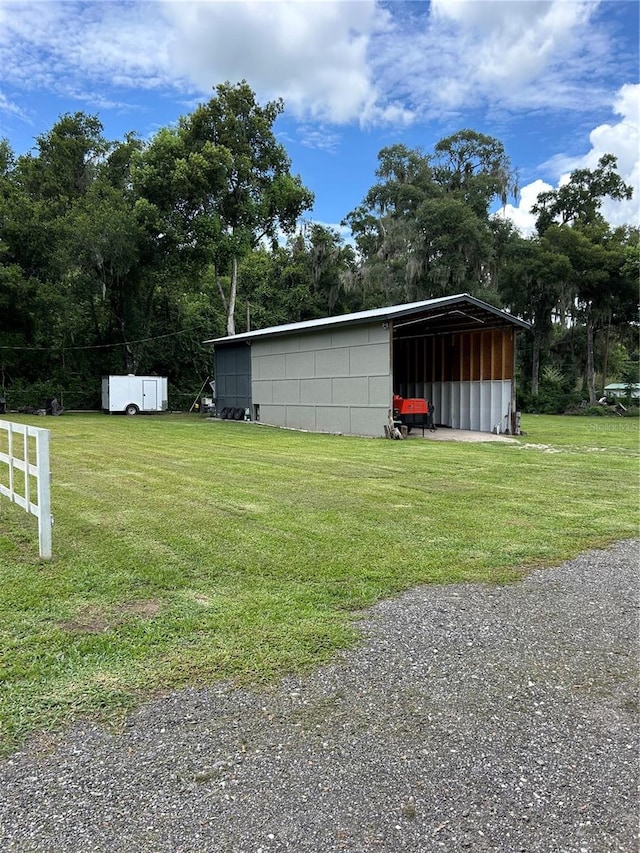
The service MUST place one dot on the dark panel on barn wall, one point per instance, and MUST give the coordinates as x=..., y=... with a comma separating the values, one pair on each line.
x=233, y=377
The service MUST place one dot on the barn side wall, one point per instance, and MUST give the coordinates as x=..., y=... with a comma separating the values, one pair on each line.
x=468, y=376
x=333, y=381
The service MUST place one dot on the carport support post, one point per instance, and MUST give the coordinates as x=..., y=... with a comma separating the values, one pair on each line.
x=512, y=408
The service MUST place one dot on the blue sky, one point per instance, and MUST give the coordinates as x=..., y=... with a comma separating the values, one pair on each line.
x=557, y=81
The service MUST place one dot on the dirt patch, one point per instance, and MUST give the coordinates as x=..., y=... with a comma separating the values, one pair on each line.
x=143, y=608
x=95, y=620
x=544, y=447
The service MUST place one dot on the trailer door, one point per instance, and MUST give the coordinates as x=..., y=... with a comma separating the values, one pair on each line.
x=105, y=394
x=149, y=395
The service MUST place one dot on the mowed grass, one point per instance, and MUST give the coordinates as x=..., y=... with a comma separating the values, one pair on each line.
x=188, y=550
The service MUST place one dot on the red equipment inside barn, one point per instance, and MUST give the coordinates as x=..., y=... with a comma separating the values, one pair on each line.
x=409, y=405
x=413, y=411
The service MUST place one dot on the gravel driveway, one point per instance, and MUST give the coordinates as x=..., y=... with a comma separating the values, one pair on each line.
x=477, y=717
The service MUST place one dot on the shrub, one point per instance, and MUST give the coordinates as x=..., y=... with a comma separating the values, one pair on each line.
x=551, y=400
x=181, y=401
x=75, y=395
x=597, y=411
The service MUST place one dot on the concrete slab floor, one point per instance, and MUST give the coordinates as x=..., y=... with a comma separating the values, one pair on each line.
x=446, y=434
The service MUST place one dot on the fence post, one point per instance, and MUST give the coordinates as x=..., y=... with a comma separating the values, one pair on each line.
x=39, y=469
x=10, y=460
x=44, y=493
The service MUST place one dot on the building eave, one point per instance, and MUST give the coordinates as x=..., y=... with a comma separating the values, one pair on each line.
x=388, y=314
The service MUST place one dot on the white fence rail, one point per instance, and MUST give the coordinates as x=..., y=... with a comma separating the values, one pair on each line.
x=27, y=460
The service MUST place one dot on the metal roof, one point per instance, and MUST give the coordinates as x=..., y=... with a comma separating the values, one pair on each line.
x=453, y=313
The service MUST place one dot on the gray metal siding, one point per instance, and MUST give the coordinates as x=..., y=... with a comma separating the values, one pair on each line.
x=333, y=381
x=332, y=362
x=299, y=365
x=316, y=392
x=269, y=366
x=285, y=391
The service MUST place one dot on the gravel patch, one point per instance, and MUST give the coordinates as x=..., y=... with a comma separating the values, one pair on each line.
x=469, y=717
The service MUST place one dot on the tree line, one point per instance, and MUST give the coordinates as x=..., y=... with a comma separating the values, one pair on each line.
x=122, y=256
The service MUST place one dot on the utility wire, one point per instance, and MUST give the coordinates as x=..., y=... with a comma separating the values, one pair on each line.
x=103, y=346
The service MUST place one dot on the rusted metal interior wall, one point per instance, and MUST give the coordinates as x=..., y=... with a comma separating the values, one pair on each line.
x=467, y=375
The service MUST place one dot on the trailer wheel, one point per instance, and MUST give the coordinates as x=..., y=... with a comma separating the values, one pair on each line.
x=238, y=414
x=131, y=409
x=224, y=414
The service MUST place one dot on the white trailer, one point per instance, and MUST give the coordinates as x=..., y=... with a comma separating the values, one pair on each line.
x=132, y=394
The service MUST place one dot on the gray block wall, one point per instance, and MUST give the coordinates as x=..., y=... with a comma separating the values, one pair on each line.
x=334, y=381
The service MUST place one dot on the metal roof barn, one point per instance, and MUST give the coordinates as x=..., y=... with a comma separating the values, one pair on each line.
x=339, y=374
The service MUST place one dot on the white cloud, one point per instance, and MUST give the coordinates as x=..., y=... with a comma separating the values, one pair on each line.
x=314, y=55
x=621, y=138
x=8, y=106
x=319, y=137
x=334, y=61
x=55, y=45
x=507, y=55
x=521, y=215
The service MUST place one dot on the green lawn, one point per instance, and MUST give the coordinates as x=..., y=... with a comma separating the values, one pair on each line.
x=188, y=550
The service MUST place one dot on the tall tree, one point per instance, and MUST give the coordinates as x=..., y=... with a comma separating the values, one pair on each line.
x=308, y=277
x=580, y=199
x=475, y=168
x=570, y=218
x=223, y=182
x=41, y=191
x=531, y=284
x=424, y=229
